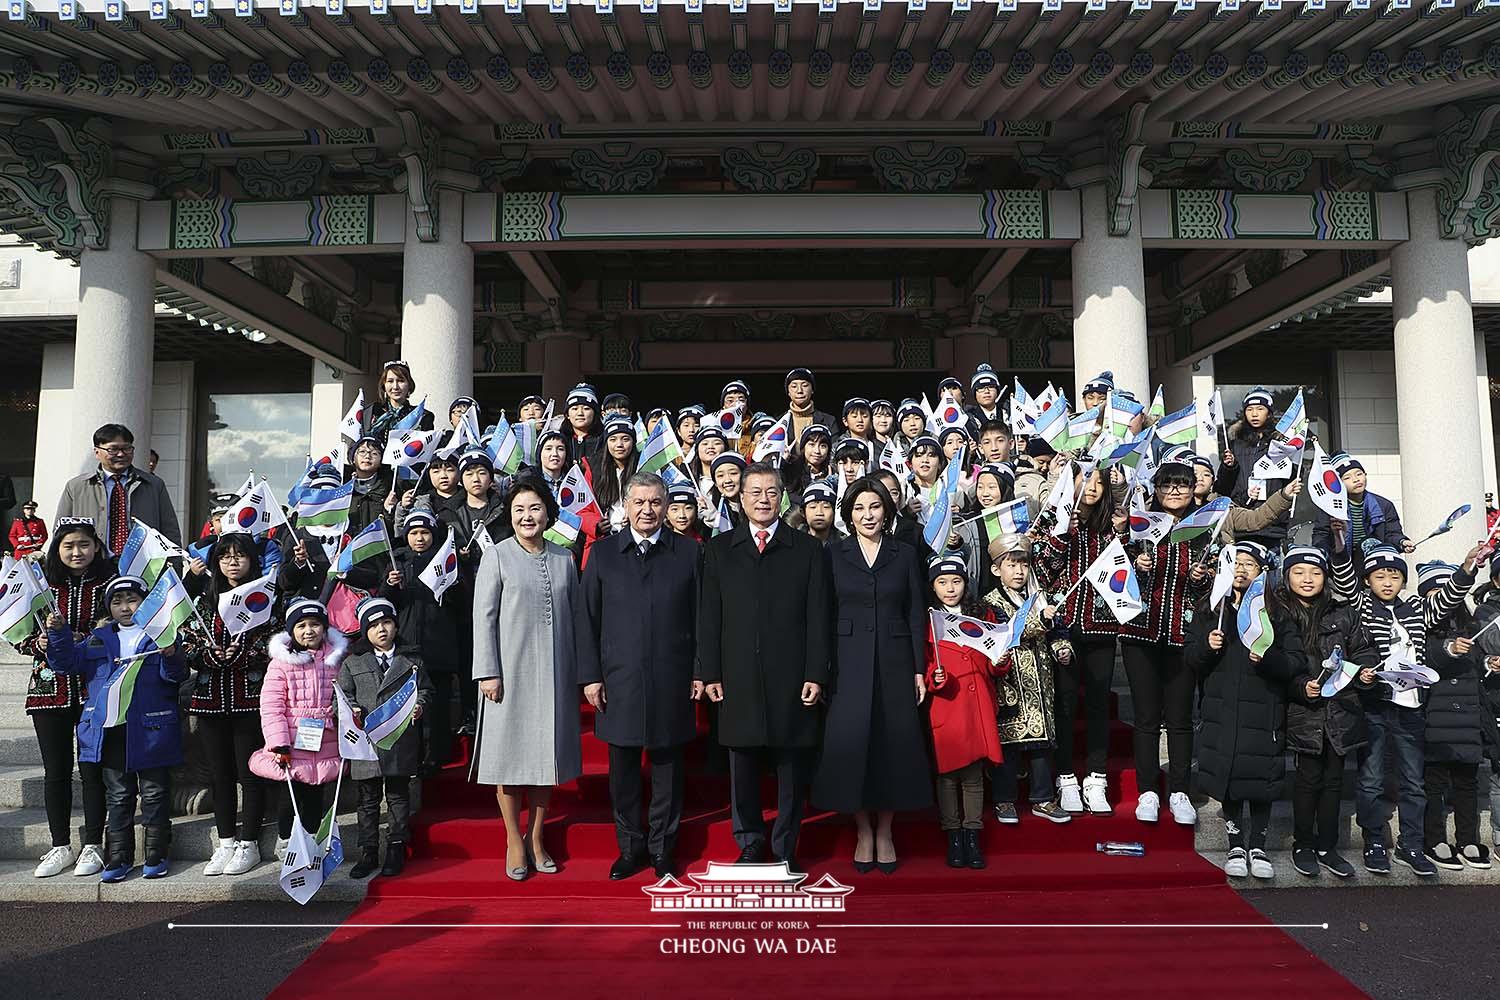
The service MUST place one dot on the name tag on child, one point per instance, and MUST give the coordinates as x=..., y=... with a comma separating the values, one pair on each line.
x=309, y=734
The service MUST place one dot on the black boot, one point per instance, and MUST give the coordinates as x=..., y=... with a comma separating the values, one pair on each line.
x=972, y=850
x=395, y=858
x=158, y=839
x=119, y=850
x=367, y=863
x=957, y=855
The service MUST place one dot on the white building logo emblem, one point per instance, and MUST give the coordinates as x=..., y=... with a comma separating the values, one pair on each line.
x=761, y=887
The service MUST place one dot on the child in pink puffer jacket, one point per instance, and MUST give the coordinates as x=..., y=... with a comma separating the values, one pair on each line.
x=298, y=695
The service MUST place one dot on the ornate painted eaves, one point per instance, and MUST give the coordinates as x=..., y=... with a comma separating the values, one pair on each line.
x=1469, y=193
x=1124, y=181
x=57, y=170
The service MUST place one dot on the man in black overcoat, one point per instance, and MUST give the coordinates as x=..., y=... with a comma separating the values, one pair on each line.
x=635, y=647
x=763, y=655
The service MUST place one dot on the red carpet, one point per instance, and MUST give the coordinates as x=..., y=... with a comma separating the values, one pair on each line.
x=1039, y=873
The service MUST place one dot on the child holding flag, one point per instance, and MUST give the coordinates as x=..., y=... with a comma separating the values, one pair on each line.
x=129, y=725
x=1326, y=718
x=231, y=665
x=388, y=690
x=76, y=569
x=1248, y=441
x=1246, y=666
x=1027, y=724
x=431, y=628
x=961, y=715
x=297, y=717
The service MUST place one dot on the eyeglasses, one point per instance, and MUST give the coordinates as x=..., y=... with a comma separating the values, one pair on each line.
x=1174, y=488
x=116, y=450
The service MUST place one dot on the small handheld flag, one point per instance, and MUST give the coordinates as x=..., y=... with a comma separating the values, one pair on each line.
x=1149, y=526
x=370, y=542
x=390, y=719
x=1448, y=522
x=1205, y=520
x=165, y=609
x=1223, y=578
x=1061, y=502
x=146, y=552
x=1180, y=427
x=408, y=448
x=326, y=508
x=1326, y=487
x=254, y=513
x=574, y=494
x=353, y=743
x=442, y=572
x=1338, y=673
x=993, y=640
x=1254, y=620
x=1113, y=578
x=22, y=600
x=248, y=605
x=352, y=426
x=1008, y=518
x=728, y=420
x=412, y=420
x=564, y=531
x=661, y=448
x=775, y=441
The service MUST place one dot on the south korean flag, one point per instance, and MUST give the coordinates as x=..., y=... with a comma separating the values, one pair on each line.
x=442, y=572
x=248, y=605
x=1326, y=487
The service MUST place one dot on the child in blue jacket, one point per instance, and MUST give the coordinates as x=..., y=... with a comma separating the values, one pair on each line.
x=137, y=753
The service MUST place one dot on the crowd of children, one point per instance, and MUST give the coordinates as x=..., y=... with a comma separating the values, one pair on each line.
x=1336, y=679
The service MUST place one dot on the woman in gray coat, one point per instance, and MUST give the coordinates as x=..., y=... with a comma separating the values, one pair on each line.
x=524, y=598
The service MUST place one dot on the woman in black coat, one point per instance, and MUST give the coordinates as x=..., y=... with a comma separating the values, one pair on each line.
x=1322, y=732
x=1242, y=745
x=874, y=750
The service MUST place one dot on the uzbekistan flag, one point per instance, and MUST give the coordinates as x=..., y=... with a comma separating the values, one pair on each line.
x=146, y=552
x=391, y=717
x=1052, y=425
x=1254, y=621
x=22, y=598
x=1158, y=406
x=505, y=448
x=368, y=543
x=661, y=448
x=326, y=508
x=1338, y=672
x=1180, y=427
x=120, y=691
x=248, y=605
x=564, y=531
x=1007, y=519
x=1204, y=520
x=164, y=610
x=1122, y=410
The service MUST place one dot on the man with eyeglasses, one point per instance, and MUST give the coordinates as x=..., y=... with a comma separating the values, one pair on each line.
x=117, y=492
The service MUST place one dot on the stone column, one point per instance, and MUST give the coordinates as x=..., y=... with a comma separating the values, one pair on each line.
x=1109, y=302
x=562, y=365
x=115, y=347
x=332, y=395
x=1486, y=413
x=437, y=312
x=1437, y=413
x=58, y=457
x=1184, y=384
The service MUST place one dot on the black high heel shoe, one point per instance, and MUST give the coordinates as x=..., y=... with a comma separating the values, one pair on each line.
x=864, y=867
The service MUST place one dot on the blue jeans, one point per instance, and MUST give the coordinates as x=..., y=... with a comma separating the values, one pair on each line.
x=1402, y=731
x=1005, y=779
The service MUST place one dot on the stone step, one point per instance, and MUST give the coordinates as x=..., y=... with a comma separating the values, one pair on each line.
x=13, y=712
x=14, y=679
x=21, y=787
x=18, y=745
x=1287, y=877
x=184, y=883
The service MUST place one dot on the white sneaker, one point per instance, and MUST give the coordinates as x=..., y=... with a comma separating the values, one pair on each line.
x=54, y=861
x=1260, y=865
x=281, y=843
x=222, y=854
x=1068, y=796
x=1234, y=864
x=1182, y=809
x=90, y=860
x=246, y=856
x=1148, y=808
x=1096, y=795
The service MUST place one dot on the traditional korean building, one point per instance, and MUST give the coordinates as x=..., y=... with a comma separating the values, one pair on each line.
x=768, y=886
x=266, y=201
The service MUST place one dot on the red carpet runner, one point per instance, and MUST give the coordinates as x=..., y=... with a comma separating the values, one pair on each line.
x=1039, y=873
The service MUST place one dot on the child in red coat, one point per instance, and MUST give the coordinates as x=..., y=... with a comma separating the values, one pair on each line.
x=961, y=712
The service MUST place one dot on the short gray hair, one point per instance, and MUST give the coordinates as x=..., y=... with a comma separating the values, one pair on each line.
x=648, y=479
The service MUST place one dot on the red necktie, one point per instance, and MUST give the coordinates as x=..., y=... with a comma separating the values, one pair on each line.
x=119, y=515
x=760, y=539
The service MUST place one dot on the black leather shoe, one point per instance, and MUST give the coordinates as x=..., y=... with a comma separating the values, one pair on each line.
x=626, y=865
x=793, y=865
x=663, y=865
x=753, y=855
x=366, y=865
x=958, y=855
x=972, y=851
x=395, y=859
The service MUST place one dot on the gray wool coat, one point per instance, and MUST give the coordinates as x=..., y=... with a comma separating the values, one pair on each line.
x=363, y=683
x=524, y=610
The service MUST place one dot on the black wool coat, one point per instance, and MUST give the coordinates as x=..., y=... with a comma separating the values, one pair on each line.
x=435, y=632
x=1460, y=727
x=763, y=631
x=1340, y=719
x=874, y=744
x=1242, y=745
x=635, y=628
x=366, y=507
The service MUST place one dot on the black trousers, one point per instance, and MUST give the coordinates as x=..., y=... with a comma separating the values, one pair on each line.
x=745, y=768
x=1315, y=799
x=1094, y=663
x=56, y=733
x=229, y=740
x=312, y=803
x=437, y=718
x=1260, y=818
x=397, y=793
x=625, y=793
x=153, y=787
x=1457, y=786
x=1161, y=686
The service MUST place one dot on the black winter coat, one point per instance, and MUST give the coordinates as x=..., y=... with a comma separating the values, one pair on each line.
x=874, y=744
x=1249, y=446
x=1242, y=745
x=1340, y=719
x=763, y=631
x=365, y=507
x=432, y=631
x=1460, y=726
x=635, y=629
